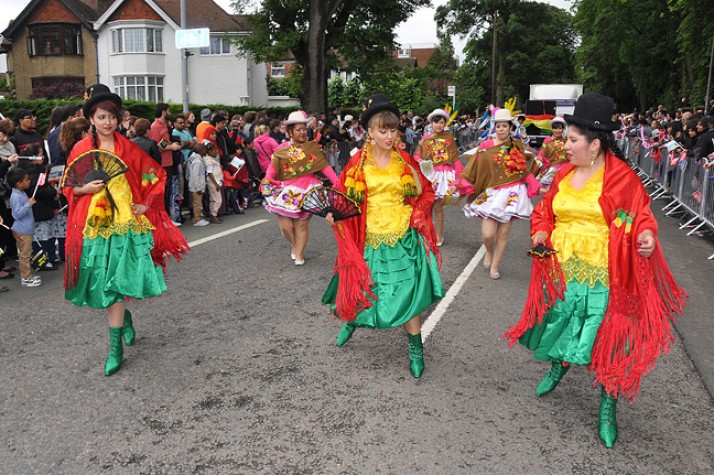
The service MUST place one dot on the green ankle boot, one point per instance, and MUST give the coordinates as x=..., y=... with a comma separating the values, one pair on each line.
x=127, y=329
x=116, y=351
x=346, y=332
x=551, y=378
x=416, y=355
x=608, y=419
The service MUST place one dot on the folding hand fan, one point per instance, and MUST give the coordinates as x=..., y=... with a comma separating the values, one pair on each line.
x=93, y=165
x=322, y=200
x=541, y=251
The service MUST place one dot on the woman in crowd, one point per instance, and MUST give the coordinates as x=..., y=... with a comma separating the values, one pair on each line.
x=149, y=146
x=387, y=262
x=72, y=132
x=498, y=171
x=265, y=146
x=118, y=234
x=290, y=175
x=552, y=154
x=606, y=298
x=438, y=150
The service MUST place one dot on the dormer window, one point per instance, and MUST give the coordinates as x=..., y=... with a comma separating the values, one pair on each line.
x=54, y=39
x=404, y=53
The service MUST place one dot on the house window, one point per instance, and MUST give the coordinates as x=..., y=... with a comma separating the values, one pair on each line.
x=404, y=53
x=277, y=70
x=54, y=39
x=137, y=40
x=140, y=88
x=219, y=45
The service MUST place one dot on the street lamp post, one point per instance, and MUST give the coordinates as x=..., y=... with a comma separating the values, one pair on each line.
x=709, y=79
x=184, y=61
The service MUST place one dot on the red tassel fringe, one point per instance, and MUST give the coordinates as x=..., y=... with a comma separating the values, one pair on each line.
x=636, y=331
x=547, y=286
x=354, y=292
x=168, y=240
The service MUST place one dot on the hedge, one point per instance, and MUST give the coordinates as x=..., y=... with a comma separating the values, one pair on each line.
x=43, y=109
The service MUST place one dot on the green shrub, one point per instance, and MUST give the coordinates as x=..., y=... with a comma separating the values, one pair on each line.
x=43, y=109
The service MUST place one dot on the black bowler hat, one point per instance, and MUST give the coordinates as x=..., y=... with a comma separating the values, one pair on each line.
x=376, y=103
x=593, y=111
x=98, y=93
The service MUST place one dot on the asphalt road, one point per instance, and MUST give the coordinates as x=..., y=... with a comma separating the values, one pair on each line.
x=235, y=371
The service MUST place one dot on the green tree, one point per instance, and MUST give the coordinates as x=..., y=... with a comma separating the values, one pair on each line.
x=531, y=52
x=325, y=33
x=627, y=50
x=473, y=17
x=694, y=40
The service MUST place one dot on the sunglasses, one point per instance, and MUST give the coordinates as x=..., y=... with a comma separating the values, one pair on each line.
x=30, y=117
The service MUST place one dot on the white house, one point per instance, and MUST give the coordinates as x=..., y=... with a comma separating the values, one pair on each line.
x=137, y=57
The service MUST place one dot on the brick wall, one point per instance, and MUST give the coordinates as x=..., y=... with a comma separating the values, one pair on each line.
x=135, y=10
x=52, y=11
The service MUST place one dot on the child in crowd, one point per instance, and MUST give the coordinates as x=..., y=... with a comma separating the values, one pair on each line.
x=214, y=174
x=24, y=226
x=196, y=175
x=234, y=180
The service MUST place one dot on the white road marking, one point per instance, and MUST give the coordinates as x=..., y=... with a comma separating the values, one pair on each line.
x=451, y=294
x=227, y=232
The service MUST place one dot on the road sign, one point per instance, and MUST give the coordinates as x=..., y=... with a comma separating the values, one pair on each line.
x=194, y=38
x=451, y=91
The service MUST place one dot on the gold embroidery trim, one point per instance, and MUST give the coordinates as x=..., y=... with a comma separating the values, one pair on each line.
x=584, y=273
x=141, y=225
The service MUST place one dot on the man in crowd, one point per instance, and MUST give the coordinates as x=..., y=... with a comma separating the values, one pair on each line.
x=25, y=132
x=159, y=133
x=206, y=115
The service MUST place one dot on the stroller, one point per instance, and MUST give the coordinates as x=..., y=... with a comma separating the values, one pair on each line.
x=251, y=190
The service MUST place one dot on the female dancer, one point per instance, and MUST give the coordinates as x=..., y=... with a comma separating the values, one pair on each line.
x=614, y=291
x=552, y=154
x=290, y=175
x=114, y=229
x=387, y=265
x=439, y=150
x=498, y=171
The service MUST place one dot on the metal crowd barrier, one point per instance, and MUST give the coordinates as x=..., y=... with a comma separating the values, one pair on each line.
x=685, y=181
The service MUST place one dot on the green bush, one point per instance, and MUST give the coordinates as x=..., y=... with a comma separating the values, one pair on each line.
x=43, y=109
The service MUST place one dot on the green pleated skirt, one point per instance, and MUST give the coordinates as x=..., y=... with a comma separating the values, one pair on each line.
x=568, y=331
x=114, y=268
x=406, y=282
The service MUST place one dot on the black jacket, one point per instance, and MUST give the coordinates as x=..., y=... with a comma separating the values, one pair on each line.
x=149, y=146
x=22, y=139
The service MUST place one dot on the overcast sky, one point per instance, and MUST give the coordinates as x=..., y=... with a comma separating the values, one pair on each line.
x=419, y=28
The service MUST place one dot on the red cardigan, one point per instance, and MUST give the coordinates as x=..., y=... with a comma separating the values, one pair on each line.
x=643, y=293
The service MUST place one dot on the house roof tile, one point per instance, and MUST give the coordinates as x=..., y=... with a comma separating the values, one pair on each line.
x=202, y=14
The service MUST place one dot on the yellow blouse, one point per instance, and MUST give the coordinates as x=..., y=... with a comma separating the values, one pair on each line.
x=99, y=217
x=387, y=214
x=581, y=232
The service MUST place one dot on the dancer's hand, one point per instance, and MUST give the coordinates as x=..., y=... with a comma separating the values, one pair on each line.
x=646, y=243
x=138, y=209
x=329, y=219
x=539, y=238
x=90, y=188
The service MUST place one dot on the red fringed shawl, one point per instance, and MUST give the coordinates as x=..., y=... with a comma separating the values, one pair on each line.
x=146, y=180
x=643, y=293
x=355, y=278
